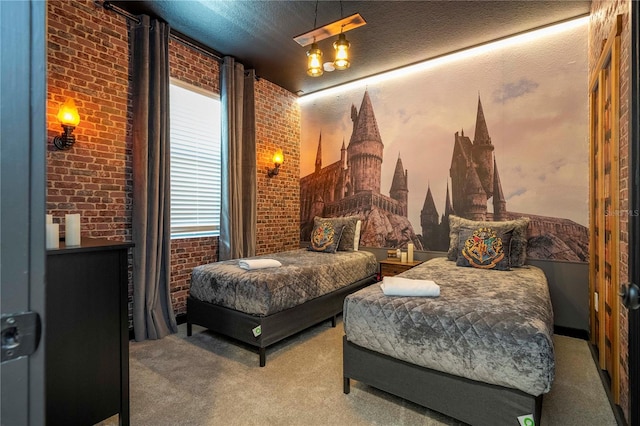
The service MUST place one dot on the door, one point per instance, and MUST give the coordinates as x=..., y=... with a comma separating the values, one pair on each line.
x=605, y=211
x=634, y=223
x=22, y=207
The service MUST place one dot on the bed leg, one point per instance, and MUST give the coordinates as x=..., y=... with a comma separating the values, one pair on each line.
x=189, y=329
x=346, y=386
x=263, y=356
x=334, y=321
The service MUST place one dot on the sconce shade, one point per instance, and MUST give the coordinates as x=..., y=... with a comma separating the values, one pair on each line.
x=69, y=119
x=68, y=114
x=278, y=157
x=314, y=61
x=341, y=47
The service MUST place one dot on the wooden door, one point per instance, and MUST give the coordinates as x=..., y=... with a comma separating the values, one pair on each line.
x=605, y=208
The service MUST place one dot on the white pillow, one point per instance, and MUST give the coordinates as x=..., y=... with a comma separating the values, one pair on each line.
x=356, y=237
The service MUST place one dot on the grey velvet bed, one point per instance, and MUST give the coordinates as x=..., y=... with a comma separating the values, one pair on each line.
x=261, y=307
x=481, y=352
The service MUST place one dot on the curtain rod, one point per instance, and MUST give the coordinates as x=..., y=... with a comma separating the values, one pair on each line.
x=176, y=36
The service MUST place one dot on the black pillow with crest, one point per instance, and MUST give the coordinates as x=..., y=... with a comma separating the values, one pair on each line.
x=325, y=237
x=484, y=248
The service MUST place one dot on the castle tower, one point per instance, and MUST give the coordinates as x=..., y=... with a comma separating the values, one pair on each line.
x=476, y=198
x=461, y=164
x=399, y=186
x=319, y=155
x=429, y=222
x=482, y=152
x=499, y=202
x=343, y=156
x=365, y=149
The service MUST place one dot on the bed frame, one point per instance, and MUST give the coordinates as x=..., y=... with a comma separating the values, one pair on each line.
x=467, y=400
x=263, y=331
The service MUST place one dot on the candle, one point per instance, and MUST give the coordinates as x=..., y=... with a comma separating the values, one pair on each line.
x=53, y=238
x=49, y=218
x=410, y=252
x=404, y=257
x=72, y=229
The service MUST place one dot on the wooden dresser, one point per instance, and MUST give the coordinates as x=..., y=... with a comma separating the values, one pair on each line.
x=389, y=268
x=87, y=333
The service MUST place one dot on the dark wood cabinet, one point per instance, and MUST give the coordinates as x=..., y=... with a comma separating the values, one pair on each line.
x=87, y=333
x=390, y=268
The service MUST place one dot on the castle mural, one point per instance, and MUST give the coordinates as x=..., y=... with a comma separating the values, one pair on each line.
x=492, y=133
x=352, y=186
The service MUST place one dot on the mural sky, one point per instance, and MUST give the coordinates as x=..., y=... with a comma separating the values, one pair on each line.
x=535, y=101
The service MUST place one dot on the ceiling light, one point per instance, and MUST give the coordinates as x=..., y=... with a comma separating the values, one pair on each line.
x=315, y=67
x=341, y=47
x=314, y=61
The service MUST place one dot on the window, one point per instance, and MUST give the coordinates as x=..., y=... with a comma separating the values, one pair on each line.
x=195, y=162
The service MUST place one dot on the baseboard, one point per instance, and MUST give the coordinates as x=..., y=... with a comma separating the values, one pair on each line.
x=606, y=384
x=571, y=332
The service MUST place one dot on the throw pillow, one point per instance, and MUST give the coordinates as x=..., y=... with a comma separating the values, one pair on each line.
x=348, y=240
x=325, y=237
x=484, y=248
x=518, y=252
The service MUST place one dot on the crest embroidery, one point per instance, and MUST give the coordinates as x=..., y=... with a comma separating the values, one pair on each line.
x=322, y=236
x=483, y=249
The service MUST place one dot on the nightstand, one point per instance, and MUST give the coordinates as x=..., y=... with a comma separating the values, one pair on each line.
x=389, y=268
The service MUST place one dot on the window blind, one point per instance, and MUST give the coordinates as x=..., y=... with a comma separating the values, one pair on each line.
x=195, y=163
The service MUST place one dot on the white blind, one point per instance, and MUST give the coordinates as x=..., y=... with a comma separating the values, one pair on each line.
x=195, y=163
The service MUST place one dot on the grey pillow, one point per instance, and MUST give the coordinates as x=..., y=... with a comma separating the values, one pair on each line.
x=325, y=237
x=518, y=244
x=484, y=248
x=348, y=239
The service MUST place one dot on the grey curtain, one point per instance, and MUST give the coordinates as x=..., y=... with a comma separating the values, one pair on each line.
x=153, y=316
x=238, y=217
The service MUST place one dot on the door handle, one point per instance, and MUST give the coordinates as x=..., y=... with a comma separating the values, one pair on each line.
x=630, y=294
x=20, y=335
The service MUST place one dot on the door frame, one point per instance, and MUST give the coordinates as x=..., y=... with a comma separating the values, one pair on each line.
x=634, y=218
x=22, y=204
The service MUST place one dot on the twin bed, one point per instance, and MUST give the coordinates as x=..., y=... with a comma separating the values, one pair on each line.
x=480, y=352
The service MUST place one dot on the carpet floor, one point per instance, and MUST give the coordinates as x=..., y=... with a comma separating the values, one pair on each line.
x=208, y=379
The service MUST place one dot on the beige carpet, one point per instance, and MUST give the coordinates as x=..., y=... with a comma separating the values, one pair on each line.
x=208, y=380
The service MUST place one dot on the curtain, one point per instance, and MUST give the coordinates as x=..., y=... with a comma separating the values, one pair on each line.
x=238, y=217
x=153, y=316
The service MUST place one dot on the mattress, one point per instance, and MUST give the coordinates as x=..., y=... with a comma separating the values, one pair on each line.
x=491, y=326
x=304, y=275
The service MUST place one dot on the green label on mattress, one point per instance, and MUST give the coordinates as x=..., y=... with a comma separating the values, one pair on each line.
x=527, y=420
x=258, y=331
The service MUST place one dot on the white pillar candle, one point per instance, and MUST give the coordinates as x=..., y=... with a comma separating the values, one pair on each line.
x=410, y=252
x=404, y=257
x=53, y=236
x=49, y=218
x=72, y=229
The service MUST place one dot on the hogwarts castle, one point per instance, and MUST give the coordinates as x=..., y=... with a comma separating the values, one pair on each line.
x=351, y=186
x=474, y=181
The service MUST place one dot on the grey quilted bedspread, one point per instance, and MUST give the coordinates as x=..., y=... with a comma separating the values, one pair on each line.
x=304, y=275
x=490, y=326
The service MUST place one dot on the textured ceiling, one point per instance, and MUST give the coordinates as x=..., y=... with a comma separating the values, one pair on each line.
x=260, y=33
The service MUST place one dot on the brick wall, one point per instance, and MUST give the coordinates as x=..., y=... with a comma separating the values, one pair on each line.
x=277, y=127
x=88, y=60
x=603, y=15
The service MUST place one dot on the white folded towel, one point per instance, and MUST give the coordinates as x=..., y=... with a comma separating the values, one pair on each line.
x=250, y=264
x=398, y=286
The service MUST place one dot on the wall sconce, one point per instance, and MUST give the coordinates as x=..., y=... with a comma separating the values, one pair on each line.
x=278, y=159
x=69, y=119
